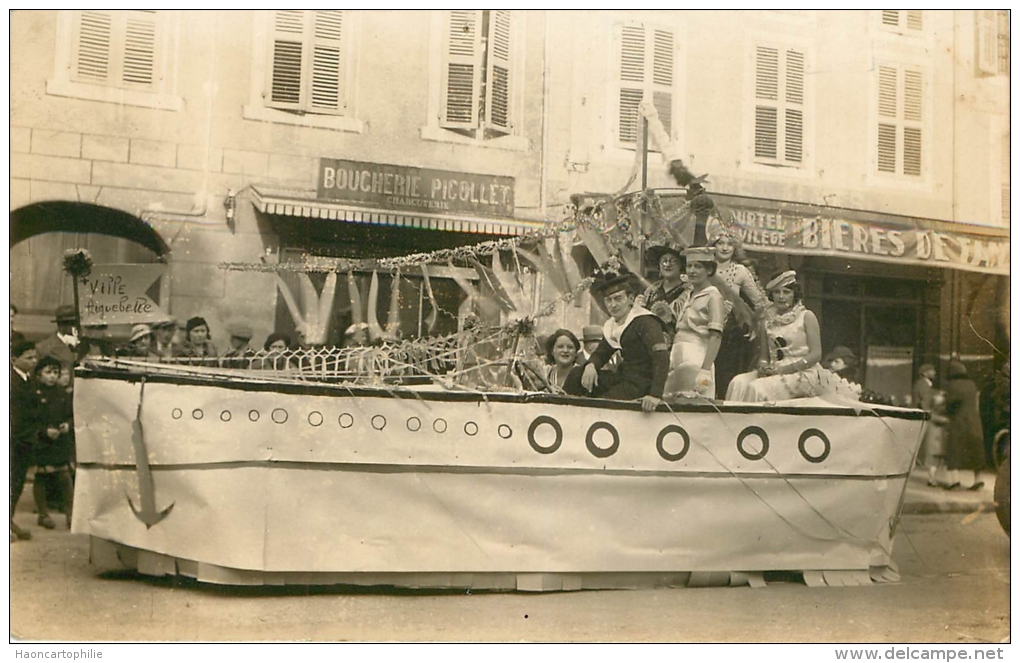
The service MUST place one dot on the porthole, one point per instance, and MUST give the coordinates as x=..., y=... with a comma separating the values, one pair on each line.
x=761, y=434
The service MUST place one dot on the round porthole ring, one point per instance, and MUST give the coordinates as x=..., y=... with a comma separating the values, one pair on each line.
x=589, y=440
x=661, y=448
x=762, y=435
x=549, y=421
x=805, y=436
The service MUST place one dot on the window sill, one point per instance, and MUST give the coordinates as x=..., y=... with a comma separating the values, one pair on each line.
x=114, y=95
x=803, y=171
x=513, y=143
x=333, y=122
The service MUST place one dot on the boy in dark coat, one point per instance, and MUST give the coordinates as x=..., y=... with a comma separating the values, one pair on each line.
x=55, y=445
x=23, y=361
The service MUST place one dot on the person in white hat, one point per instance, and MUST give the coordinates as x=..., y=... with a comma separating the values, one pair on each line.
x=139, y=344
x=789, y=365
x=700, y=316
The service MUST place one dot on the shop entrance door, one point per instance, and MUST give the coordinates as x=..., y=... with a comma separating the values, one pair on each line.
x=879, y=319
x=890, y=333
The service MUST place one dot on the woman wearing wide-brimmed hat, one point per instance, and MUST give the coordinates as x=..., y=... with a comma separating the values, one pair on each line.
x=659, y=296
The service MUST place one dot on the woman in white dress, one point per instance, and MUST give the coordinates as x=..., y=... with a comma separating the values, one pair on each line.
x=737, y=353
x=788, y=366
x=699, y=315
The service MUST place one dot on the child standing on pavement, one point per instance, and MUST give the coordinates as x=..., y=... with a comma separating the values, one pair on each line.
x=54, y=446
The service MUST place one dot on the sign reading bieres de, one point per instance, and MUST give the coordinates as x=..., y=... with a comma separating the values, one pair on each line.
x=415, y=189
x=796, y=228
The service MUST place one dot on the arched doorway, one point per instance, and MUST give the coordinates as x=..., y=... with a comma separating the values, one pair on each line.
x=41, y=232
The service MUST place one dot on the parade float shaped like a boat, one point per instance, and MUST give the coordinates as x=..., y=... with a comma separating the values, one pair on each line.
x=250, y=477
x=403, y=465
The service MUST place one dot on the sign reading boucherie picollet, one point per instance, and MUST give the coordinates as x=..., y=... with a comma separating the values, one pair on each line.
x=405, y=188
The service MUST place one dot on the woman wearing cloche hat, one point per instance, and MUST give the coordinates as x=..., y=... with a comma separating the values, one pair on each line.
x=699, y=324
x=791, y=349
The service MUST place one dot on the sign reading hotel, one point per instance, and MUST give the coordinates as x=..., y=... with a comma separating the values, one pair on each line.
x=116, y=294
x=405, y=188
x=792, y=228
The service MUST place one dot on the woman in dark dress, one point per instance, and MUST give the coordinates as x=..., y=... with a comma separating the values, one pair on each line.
x=965, y=449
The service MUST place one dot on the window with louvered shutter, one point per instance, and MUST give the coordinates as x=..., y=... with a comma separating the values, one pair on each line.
x=778, y=105
x=900, y=120
x=308, y=61
x=902, y=20
x=477, y=83
x=117, y=48
x=645, y=68
x=497, y=73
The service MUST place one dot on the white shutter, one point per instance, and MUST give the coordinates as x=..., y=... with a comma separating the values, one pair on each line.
x=793, y=133
x=462, y=76
x=327, y=93
x=987, y=41
x=912, y=117
x=662, y=77
x=140, y=49
x=93, y=46
x=288, y=52
x=779, y=105
x=632, y=80
x=497, y=72
x=915, y=19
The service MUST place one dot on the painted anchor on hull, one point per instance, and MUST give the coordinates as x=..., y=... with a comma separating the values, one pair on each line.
x=146, y=487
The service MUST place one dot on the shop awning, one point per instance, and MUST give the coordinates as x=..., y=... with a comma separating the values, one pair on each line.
x=303, y=203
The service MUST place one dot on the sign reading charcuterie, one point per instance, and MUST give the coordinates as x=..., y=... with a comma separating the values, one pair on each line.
x=405, y=188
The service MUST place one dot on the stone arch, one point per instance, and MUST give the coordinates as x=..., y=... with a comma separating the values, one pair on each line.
x=75, y=217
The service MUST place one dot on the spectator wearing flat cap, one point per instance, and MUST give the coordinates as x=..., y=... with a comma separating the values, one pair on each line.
x=240, y=351
x=163, y=344
x=64, y=344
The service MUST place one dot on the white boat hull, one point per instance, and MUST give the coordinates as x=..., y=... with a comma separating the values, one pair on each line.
x=320, y=483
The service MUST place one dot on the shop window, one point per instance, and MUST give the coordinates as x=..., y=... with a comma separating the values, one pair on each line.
x=993, y=41
x=900, y=120
x=645, y=68
x=902, y=21
x=121, y=56
x=778, y=106
x=303, y=69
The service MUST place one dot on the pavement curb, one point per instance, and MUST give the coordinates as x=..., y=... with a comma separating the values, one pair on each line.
x=935, y=508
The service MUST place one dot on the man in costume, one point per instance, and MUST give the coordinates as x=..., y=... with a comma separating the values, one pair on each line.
x=638, y=335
